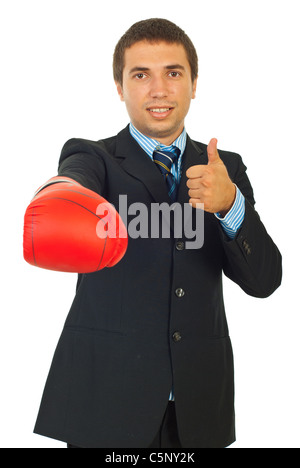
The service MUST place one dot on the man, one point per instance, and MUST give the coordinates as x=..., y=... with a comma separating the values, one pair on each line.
x=145, y=358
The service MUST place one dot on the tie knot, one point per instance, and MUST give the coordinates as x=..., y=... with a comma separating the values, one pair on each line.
x=165, y=159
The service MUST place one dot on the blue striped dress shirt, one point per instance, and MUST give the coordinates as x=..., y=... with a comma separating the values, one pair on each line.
x=234, y=218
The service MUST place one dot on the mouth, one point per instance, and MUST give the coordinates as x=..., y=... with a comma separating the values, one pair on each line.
x=160, y=112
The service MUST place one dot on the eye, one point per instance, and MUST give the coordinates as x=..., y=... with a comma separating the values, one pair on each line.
x=174, y=74
x=139, y=76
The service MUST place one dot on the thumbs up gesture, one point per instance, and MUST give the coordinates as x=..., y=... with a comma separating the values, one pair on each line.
x=210, y=184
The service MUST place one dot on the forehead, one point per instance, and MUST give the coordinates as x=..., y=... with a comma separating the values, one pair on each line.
x=155, y=55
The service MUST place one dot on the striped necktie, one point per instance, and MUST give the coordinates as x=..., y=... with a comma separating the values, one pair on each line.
x=164, y=160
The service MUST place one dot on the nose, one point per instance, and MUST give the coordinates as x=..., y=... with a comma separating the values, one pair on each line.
x=158, y=88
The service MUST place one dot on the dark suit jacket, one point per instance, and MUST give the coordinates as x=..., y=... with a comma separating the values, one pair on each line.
x=118, y=358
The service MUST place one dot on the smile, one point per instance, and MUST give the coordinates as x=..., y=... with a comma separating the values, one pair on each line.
x=160, y=112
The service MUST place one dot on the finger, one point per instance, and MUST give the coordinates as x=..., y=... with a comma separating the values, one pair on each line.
x=195, y=193
x=196, y=203
x=212, y=151
x=194, y=183
x=196, y=172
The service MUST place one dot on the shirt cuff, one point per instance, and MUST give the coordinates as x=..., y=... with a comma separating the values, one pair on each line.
x=235, y=217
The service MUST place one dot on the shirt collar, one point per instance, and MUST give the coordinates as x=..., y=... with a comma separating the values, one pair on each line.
x=149, y=144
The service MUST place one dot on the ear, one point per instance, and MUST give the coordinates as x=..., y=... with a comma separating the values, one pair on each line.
x=194, y=88
x=120, y=90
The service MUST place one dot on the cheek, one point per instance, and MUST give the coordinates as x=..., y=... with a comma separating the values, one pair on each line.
x=133, y=97
x=133, y=106
x=184, y=95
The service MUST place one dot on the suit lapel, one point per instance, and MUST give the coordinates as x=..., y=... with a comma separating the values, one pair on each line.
x=193, y=156
x=137, y=163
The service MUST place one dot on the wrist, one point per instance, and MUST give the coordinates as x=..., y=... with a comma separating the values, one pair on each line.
x=231, y=199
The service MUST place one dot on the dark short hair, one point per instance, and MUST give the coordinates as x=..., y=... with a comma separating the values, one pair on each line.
x=153, y=30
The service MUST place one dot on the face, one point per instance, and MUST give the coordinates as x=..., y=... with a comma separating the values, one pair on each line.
x=157, y=89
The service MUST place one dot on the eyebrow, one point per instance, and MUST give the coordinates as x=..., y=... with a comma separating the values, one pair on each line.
x=177, y=66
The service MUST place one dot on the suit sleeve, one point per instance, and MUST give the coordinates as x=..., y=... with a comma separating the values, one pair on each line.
x=252, y=260
x=81, y=160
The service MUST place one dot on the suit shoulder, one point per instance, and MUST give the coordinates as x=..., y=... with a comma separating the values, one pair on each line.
x=229, y=158
x=82, y=144
x=109, y=144
x=232, y=161
x=102, y=149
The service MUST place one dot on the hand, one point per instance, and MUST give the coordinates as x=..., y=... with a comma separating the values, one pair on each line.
x=70, y=228
x=210, y=184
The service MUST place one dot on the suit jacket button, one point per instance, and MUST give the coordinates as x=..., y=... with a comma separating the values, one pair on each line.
x=176, y=337
x=179, y=292
x=179, y=245
x=247, y=247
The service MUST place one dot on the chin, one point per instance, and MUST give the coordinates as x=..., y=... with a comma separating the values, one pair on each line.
x=162, y=130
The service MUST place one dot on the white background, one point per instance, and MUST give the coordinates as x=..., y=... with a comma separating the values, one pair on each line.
x=56, y=83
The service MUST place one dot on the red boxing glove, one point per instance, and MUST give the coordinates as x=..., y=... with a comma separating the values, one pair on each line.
x=70, y=228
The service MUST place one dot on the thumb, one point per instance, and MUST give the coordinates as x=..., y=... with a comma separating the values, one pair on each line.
x=212, y=151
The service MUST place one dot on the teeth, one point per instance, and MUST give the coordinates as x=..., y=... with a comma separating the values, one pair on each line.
x=160, y=111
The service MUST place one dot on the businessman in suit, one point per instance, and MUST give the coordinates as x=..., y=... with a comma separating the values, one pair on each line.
x=145, y=357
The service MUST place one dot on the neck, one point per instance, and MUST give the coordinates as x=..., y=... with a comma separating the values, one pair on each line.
x=166, y=140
